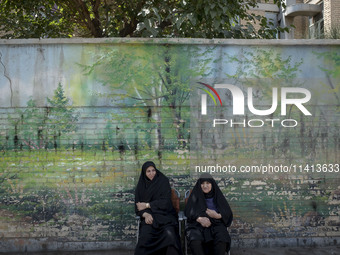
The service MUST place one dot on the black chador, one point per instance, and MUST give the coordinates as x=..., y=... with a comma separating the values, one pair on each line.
x=203, y=239
x=160, y=237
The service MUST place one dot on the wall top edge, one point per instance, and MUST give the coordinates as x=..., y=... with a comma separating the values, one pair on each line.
x=195, y=41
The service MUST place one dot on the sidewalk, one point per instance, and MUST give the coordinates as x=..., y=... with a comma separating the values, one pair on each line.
x=334, y=250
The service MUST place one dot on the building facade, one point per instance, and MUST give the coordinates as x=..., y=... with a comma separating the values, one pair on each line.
x=311, y=19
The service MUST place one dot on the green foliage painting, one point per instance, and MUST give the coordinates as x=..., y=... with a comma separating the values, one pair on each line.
x=332, y=71
x=43, y=128
x=154, y=78
x=71, y=154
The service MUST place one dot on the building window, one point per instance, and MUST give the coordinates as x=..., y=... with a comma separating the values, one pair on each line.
x=316, y=26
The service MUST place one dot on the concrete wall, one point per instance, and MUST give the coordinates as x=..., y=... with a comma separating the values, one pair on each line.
x=79, y=117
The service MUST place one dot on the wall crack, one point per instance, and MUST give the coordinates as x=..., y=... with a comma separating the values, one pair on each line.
x=8, y=78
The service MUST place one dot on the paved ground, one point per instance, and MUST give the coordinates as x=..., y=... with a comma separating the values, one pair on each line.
x=262, y=251
x=288, y=251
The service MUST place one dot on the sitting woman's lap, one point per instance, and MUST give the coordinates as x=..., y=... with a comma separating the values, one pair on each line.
x=165, y=232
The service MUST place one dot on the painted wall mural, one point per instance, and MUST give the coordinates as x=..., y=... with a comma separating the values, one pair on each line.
x=77, y=121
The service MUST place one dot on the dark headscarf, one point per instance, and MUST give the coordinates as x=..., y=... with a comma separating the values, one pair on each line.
x=147, y=181
x=196, y=206
x=157, y=192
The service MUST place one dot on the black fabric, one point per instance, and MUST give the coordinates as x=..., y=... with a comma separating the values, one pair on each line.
x=220, y=248
x=200, y=248
x=197, y=248
x=163, y=231
x=196, y=207
x=171, y=250
x=157, y=241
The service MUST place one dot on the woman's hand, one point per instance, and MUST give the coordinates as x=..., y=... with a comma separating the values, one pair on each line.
x=204, y=221
x=141, y=206
x=148, y=218
x=213, y=214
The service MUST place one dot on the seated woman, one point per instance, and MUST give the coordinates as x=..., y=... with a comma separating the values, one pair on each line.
x=158, y=228
x=209, y=215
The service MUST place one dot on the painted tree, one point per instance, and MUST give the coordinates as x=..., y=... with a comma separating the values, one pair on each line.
x=35, y=127
x=331, y=67
x=61, y=116
x=153, y=76
x=28, y=127
x=332, y=70
x=263, y=69
x=134, y=18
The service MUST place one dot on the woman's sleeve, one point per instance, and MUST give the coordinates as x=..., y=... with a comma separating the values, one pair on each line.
x=137, y=199
x=140, y=213
x=227, y=215
x=163, y=201
x=194, y=209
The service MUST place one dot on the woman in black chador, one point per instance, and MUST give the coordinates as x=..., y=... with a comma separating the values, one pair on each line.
x=159, y=224
x=209, y=215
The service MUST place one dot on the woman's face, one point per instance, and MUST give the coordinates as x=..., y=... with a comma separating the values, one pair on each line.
x=206, y=187
x=150, y=172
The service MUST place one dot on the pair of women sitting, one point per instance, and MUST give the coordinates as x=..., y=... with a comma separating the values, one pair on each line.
x=208, y=216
